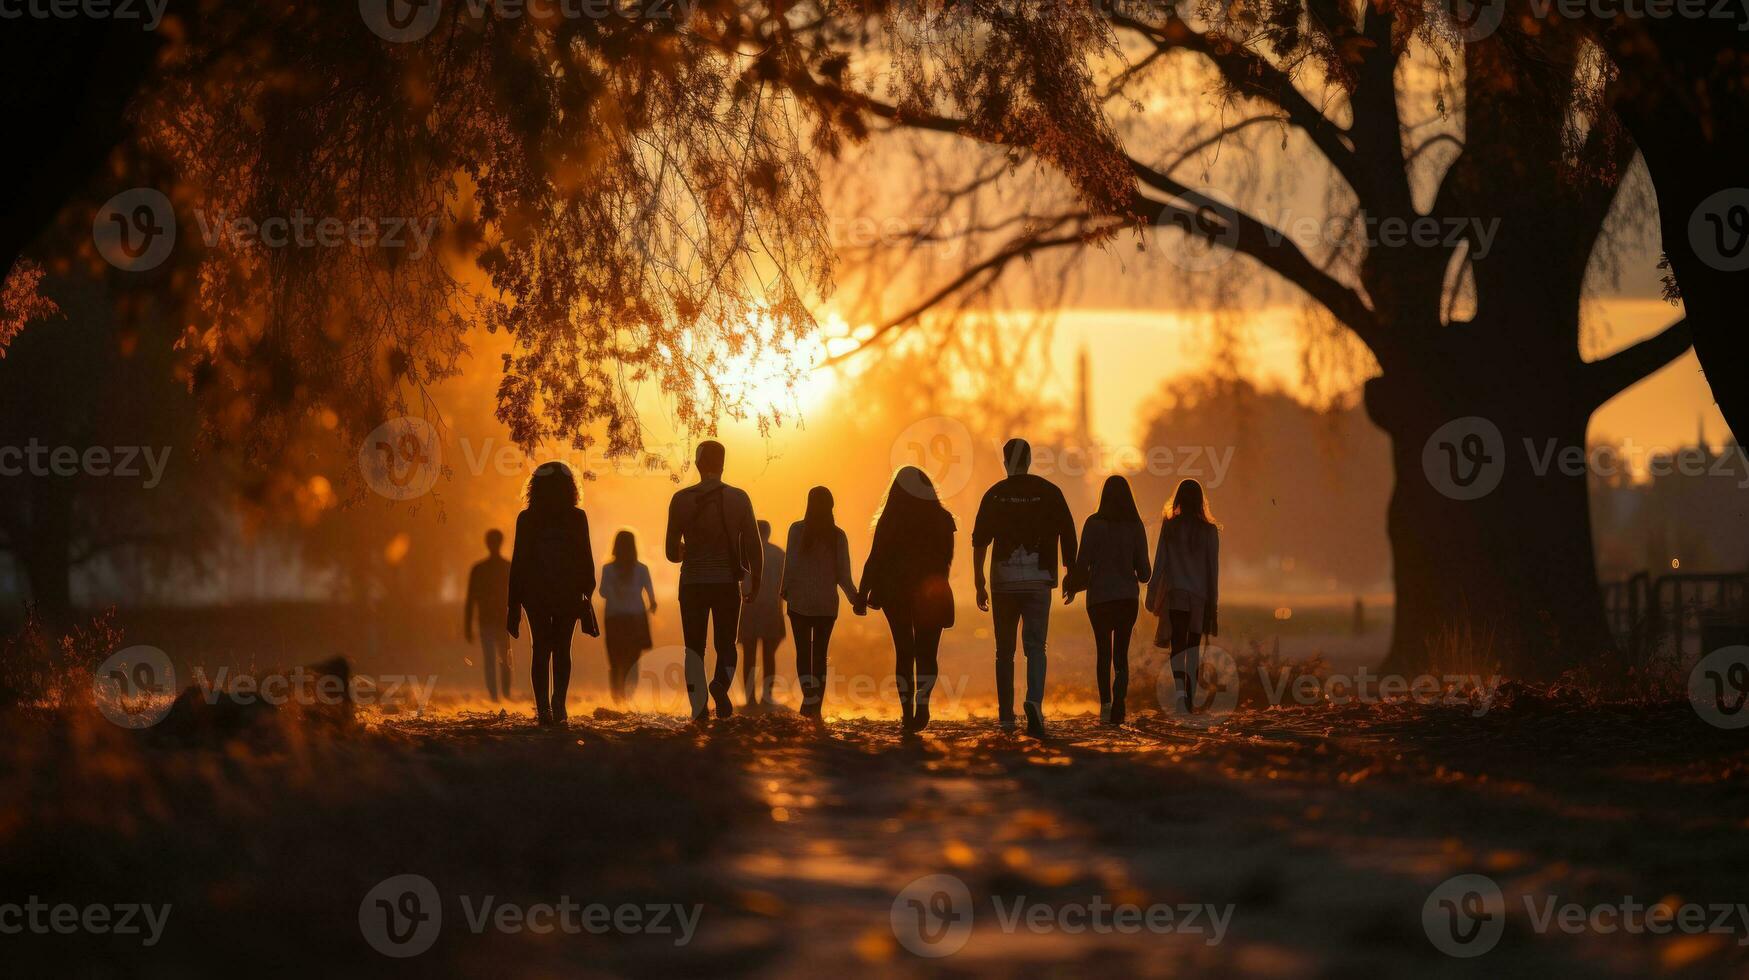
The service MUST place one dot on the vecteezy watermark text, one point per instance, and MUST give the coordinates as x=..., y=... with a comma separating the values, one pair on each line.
x=38, y=917
x=36, y=459
x=933, y=917
x=1465, y=916
x=150, y=13
x=402, y=916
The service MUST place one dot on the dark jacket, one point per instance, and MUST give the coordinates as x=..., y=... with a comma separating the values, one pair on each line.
x=552, y=569
x=1025, y=515
x=906, y=571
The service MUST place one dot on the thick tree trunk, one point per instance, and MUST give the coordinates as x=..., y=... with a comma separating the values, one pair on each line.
x=47, y=554
x=1489, y=527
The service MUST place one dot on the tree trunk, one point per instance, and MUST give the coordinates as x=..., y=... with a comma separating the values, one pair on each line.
x=47, y=554
x=1489, y=525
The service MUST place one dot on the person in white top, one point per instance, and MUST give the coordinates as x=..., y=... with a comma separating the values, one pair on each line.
x=625, y=586
x=816, y=569
x=1184, y=590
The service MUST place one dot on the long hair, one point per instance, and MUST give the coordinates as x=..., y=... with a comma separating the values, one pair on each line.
x=818, y=524
x=910, y=502
x=625, y=549
x=1117, y=504
x=552, y=488
x=1189, y=501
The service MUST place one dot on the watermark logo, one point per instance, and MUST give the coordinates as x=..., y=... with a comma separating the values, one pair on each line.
x=1464, y=916
x=1465, y=458
x=400, y=21
x=401, y=458
x=1201, y=235
x=1718, y=687
x=135, y=230
x=932, y=916
x=401, y=916
x=135, y=687
x=1214, y=687
x=1719, y=230
x=942, y=448
x=1476, y=19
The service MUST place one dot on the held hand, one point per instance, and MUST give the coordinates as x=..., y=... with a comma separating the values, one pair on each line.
x=983, y=599
x=1068, y=596
x=859, y=608
x=652, y=607
x=752, y=591
x=513, y=624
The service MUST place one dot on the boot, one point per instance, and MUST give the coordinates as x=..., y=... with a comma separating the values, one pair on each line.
x=920, y=719
x=1035, y=720
x=558, y=713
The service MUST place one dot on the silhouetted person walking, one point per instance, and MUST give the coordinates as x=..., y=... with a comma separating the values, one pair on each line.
x=906, y=578
x=487, y=601
x=1185, y=590
x=1110, y=567
x=1026, y=523
x=552, y=576
x=762, y=622
x=625, y=627
x=712, y=534
x=815, y=568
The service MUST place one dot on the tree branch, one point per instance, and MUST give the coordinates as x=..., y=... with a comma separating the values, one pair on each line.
x=1607, y=377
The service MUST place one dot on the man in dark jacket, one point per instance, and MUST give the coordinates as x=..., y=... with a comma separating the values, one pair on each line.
x=1026, y=521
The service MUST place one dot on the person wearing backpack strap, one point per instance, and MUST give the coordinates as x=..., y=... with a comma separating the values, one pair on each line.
x=714, y=537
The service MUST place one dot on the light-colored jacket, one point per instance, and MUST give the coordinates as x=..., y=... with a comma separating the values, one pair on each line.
x=1187, y=569
x=812, y=577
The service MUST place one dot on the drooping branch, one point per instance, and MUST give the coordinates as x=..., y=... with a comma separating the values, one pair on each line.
x=1252, y=75
x=977, y=276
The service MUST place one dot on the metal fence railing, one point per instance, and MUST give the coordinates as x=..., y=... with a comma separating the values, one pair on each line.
x=1679, y=616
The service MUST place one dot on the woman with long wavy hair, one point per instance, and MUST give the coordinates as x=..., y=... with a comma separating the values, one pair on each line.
x=1185, y=590
x=906, y=578
x=552, y=576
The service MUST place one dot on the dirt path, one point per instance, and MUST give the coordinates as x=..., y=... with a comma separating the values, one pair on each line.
x=1315, y=838
x=1301, y=842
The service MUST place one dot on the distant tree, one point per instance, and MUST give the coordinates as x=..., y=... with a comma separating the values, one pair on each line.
x=1299, y=484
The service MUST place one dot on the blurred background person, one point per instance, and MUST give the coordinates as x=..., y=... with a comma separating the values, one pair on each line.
x=762, y=629
x=625, y=625
x=487, y=601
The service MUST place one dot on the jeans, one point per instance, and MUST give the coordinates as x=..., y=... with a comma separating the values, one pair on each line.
x=1113, y=622
x=1186, y=658
x=914, y=662
x=713, y=608
x=550, y=638
x=495, y=655
x=1031, y=611
x=813, y=633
